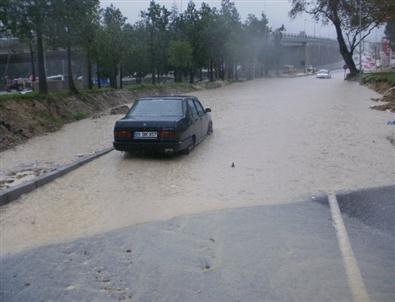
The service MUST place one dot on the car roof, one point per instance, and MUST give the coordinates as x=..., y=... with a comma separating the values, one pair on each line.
x=175, y=97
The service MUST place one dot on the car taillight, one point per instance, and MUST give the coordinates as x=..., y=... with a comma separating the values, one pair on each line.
x=122, y=134
x=168, y=134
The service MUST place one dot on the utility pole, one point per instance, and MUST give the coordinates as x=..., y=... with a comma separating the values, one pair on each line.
x=304, y=27
x=315, y=22
x=360, y=41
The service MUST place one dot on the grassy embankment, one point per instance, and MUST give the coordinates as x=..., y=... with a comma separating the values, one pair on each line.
x=382, y=82
x=139, y=89
x=380, y=77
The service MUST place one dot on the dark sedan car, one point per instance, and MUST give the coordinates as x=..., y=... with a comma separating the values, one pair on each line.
x=163, y=124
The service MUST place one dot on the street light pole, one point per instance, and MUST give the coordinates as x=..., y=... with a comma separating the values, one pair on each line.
x=315, y=22
x=360, y=41
x=304, y=27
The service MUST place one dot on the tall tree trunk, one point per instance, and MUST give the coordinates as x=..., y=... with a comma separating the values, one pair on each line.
x=158, y=77
x=152, y=54
x=176, y=76
x=89, y=69
x=191, y=76
x=42, y=76
x=211, y=71
x=120, y=77
x=200, y=74
x=113, y=80
x=33, y=65
x=346, y=54
x=250, y=70
x=229, y=67
x=72, y=87
x=113, y=77
x=98, y=75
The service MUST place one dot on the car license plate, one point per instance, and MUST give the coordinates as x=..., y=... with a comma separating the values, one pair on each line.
x=145, y=134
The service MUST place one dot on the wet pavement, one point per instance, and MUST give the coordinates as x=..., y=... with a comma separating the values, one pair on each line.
x=48, y=152
x=283, y=252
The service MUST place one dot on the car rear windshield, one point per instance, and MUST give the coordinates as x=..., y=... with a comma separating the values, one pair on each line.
x=157, y=108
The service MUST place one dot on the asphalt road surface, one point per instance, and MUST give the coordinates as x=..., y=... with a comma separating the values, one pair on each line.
x=288, y=252
x=254, y=238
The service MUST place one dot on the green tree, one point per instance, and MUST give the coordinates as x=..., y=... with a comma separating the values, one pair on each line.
x=157, y=22
x=180, y=57
x=12, y=24
x=188, y=27
x=230, y=29
x=211, y=36
x=256, y=38
x=345, y=16
x=29, y=19
x=111, y=44
x=70, y=18
x=88, y=34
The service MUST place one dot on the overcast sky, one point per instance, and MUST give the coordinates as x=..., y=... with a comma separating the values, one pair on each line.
x=275, y=10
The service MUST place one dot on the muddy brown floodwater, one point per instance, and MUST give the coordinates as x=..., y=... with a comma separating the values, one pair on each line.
x=287, y=137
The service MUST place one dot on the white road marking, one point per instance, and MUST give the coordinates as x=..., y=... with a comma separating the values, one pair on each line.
x=354, y=277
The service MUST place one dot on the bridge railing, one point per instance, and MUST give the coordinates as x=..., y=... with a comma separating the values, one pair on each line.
x=307, y=38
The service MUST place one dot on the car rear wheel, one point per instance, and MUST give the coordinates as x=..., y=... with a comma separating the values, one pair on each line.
x=190, y=147
x=210, y=128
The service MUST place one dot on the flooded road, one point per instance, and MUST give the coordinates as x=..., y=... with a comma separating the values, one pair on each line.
x=58, y=148
x=287, y=137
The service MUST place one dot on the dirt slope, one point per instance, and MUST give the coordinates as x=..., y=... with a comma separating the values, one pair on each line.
x=21, y=119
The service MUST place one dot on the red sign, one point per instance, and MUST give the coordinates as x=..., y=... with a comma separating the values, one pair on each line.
x=386, y=47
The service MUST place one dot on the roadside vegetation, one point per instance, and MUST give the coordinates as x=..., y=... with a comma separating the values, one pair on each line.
x=35, y=95
x=383, y=83
x=141, y=89
x=380, y=77
x=201, y=42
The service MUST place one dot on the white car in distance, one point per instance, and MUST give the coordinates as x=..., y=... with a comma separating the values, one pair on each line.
x=323, y=74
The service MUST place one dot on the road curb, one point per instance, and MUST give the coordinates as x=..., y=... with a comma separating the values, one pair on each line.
x=15, y=192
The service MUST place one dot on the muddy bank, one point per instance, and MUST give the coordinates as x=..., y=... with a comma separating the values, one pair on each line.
x=21, y=119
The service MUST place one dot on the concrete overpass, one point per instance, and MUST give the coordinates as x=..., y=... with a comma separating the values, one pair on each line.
x=302, y=50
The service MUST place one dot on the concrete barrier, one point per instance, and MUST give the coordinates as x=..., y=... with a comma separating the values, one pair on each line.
x=13, y=193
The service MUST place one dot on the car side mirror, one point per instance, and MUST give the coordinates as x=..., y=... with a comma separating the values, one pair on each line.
x=208, y=110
